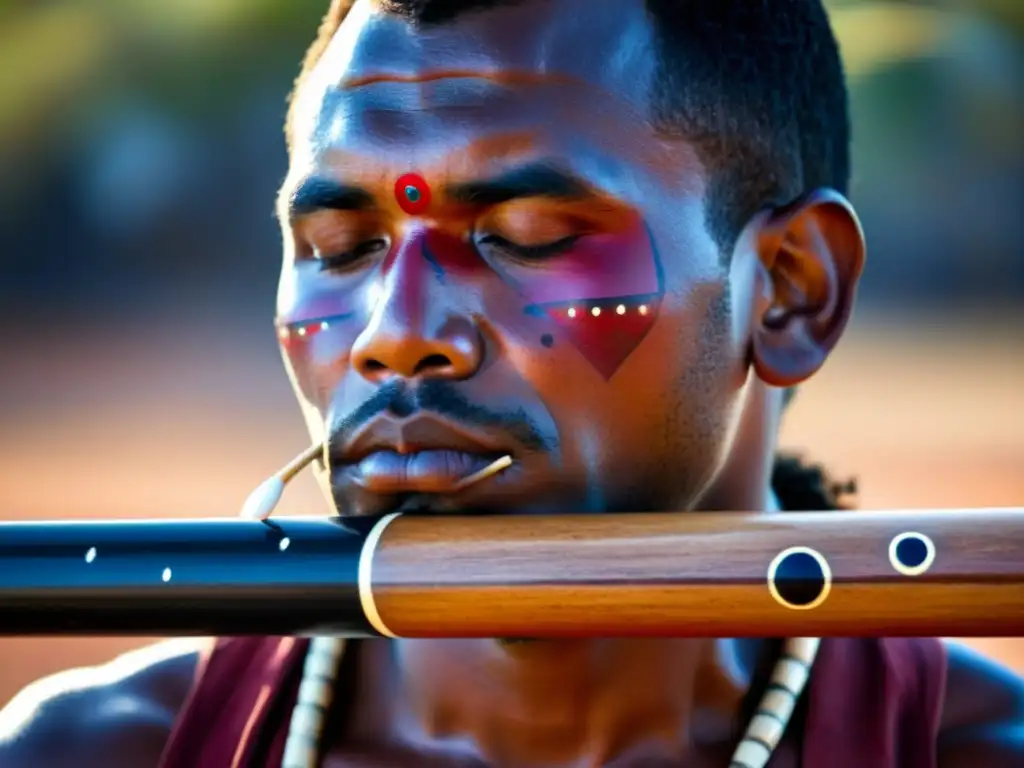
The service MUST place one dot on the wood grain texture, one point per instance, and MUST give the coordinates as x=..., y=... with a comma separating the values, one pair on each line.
x=696, y=574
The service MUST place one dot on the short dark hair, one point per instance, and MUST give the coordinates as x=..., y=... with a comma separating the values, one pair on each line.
x=756, y=85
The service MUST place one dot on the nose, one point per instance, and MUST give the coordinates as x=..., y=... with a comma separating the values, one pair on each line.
x=387, y=349
x=417, y=327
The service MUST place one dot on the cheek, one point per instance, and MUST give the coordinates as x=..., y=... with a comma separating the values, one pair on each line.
x=686, y=390
x=707, y=370
x=656, y=433
x=319, y=317
x=603, y=296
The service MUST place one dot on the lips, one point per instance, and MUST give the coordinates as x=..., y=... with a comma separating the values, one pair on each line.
x=421, y=455
x=433, y=471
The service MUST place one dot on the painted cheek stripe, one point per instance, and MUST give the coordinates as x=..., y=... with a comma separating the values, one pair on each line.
x=424, y=253
x=291, y=333
x=314, y=316
x=604, y=296
x=606, y=332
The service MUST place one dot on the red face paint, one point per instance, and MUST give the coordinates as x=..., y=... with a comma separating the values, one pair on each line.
x=604, y=293
x=425, y=255
x=321, y=308
x=412, y=193
x=439, y=251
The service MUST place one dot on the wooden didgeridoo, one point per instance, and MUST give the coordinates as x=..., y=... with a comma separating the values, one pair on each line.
x=930, y=573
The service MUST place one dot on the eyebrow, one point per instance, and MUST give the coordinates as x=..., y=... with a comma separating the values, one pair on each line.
x=318, y=194
x=541, y=179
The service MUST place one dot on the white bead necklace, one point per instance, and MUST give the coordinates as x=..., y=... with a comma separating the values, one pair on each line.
x=762, y=736
x=320, y=670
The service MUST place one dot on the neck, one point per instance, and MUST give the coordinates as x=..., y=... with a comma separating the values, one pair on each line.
x=565, y=703
x=582, y=703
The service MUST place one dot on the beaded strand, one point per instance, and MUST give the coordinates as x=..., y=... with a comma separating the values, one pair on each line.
x=763, y=734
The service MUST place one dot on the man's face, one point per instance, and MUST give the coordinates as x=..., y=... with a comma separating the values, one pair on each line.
x=489, y=251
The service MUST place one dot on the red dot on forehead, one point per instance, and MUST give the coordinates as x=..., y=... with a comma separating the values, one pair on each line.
x=412, y=193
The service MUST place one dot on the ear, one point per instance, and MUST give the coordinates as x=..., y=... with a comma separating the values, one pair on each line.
x=811, y=256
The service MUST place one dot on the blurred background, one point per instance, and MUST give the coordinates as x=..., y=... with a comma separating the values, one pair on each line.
x=140, y=151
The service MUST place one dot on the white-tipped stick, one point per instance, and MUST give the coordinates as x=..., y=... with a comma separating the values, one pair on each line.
x=491, y=469
x=261, y=503
x=300, y=462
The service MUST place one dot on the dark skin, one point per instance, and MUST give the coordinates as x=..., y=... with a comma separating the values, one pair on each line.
x=681, y=414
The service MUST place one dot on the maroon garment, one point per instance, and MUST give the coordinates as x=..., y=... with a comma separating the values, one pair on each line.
x=875, y=703
x=871, y=703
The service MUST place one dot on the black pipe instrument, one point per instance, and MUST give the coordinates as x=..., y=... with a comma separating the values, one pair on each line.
x=181, y=577
x=924, y=573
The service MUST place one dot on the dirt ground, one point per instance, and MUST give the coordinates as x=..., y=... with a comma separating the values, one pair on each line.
x=175, y=423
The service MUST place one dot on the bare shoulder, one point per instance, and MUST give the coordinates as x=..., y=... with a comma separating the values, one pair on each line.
x=983, y=715
x=82, y=717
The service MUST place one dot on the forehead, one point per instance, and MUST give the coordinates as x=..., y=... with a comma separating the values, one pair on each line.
x=565, y=74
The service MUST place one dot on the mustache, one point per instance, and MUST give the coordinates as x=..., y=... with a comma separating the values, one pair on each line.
x=442, y=399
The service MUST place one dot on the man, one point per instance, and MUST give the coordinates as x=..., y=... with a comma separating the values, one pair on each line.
x=602, y=238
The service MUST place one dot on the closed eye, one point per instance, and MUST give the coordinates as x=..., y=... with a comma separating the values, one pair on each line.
x=347, y=259
x=528, y=252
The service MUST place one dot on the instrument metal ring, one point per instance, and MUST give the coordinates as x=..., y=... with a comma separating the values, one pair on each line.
x=365, y=575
